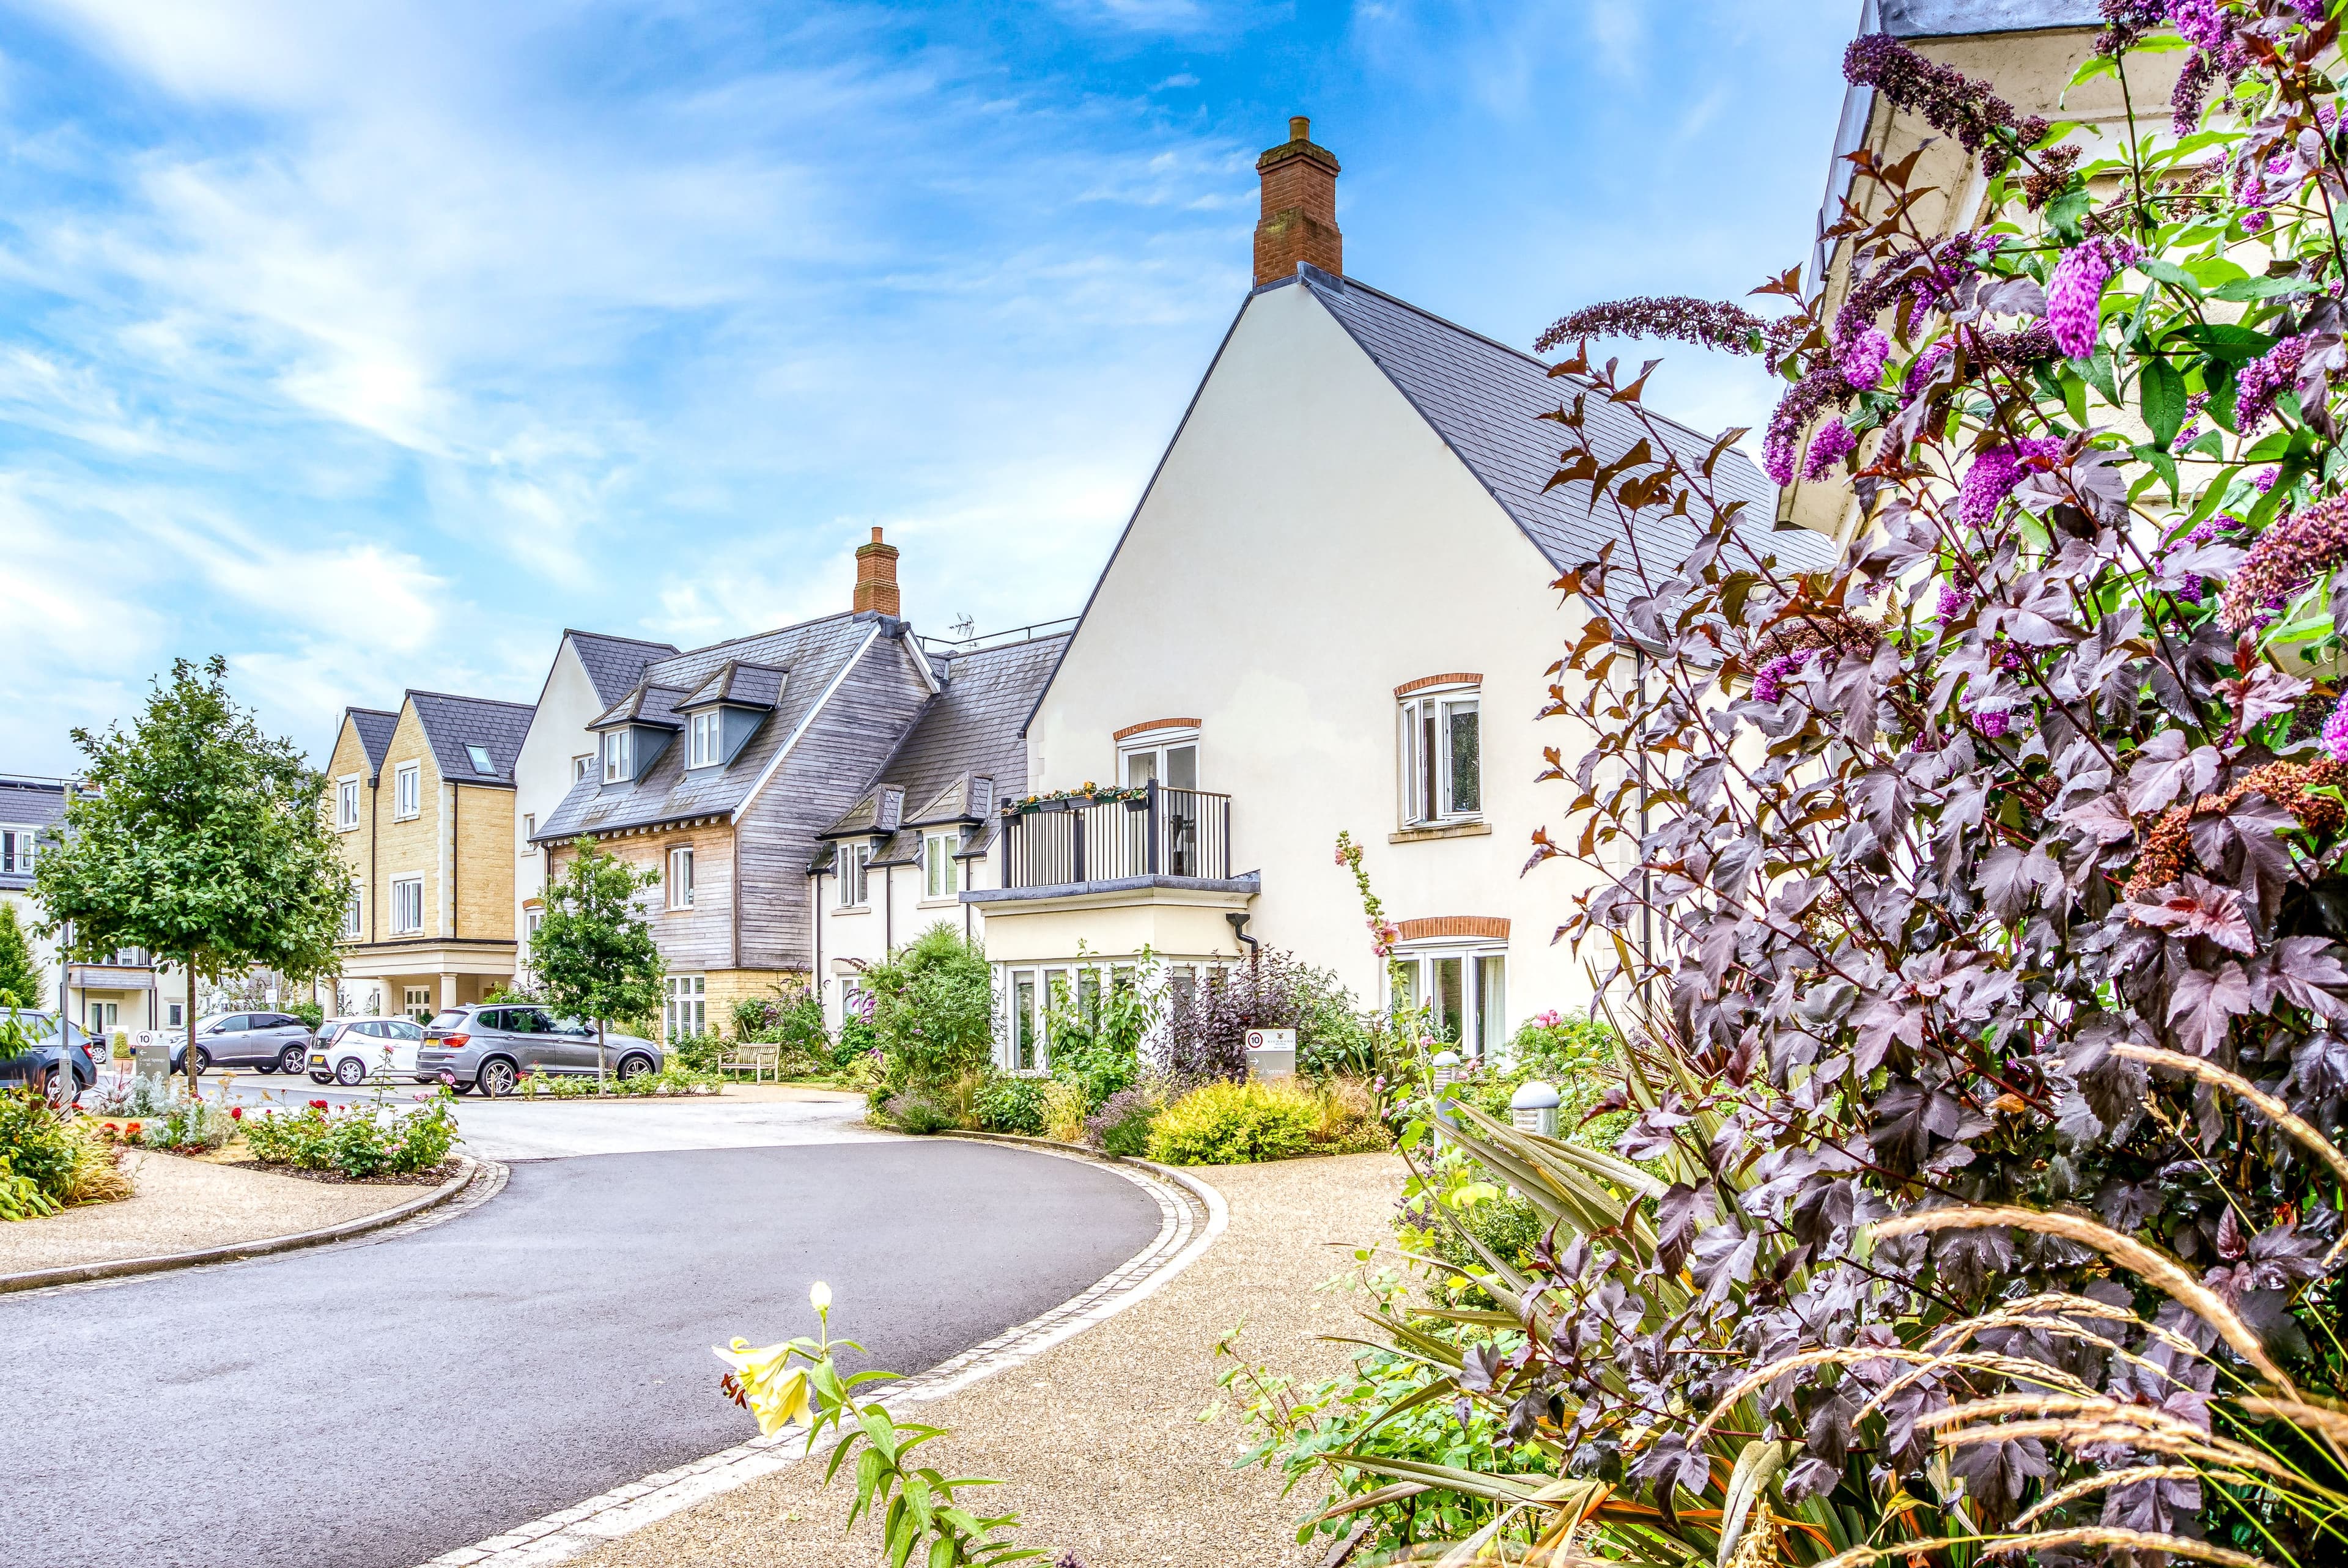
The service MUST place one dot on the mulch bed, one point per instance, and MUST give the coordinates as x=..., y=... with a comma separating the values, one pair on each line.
x=439, y=1173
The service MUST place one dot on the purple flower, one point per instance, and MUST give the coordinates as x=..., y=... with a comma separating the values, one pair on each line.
x=1830, y=446
x=1769, y=681
x=1994, y=476
x=2263, y=379
x=1954, y=602
x=2335, y=732
x=2284, y=559
x=1921, y=370
x=2265, y=479
x=1864, y=356
x=2202, y=22
x=1992, y=722
x=2078, y=290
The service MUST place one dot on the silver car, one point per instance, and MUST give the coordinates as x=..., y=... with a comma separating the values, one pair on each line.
x=489, y=1045
x=271, y=1042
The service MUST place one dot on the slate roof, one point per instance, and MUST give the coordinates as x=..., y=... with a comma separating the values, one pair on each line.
x=1486, y=399
x=28, y=803
x=650, y=704
x=375, y=727
x=740, y=683
x=815, y=651
x=452, y=723
x=615, y=664
x=970, y=731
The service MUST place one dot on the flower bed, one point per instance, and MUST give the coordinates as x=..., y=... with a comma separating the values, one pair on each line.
x=669, y=1082
x=356, y=1141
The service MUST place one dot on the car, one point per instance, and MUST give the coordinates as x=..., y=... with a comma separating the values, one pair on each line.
x=350, y=1050
x=39, y=1063
x=271, y=1042
x=489, y=1045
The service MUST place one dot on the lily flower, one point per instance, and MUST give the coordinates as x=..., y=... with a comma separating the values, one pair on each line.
x=774, y=1391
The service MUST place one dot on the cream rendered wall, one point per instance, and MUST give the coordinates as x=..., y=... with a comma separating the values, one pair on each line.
x=1311, y=544
x=893, y=913
x=558, y=732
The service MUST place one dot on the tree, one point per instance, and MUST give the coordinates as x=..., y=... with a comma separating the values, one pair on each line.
x=594, y=955
x=20, y=977
x=199, y=837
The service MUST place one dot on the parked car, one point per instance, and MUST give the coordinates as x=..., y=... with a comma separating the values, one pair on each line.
x=349, y=1051
x=489, y=1046
x=40, y=1060
x=271, y=1042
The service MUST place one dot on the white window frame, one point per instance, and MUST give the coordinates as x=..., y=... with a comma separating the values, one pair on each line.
x=685, y=1006
x=355, y=913
x=1158, y=747
x=619, y=751
x=854, y=861
x=400, y=898
x=580, y=767
x=941, y=872
x=529, y=832
x=704, y=739
x=347, y=802
x=1484, y=1004
x=406, y=792
x=1428, y=799
x=19, y=848
x=676, y=882
x=531, y=920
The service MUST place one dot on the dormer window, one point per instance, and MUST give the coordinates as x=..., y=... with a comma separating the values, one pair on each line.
x=619, y=753
x=706, y=740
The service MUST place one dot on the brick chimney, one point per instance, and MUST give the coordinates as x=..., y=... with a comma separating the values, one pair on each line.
x=876, y=576
x=1299, y=207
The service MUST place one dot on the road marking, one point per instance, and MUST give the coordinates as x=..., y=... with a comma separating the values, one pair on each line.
x=1191, y=1216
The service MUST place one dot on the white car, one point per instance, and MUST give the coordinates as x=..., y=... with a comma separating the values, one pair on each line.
x=350, y=1050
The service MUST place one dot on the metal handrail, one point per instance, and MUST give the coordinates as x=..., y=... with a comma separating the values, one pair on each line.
x=1164, y=832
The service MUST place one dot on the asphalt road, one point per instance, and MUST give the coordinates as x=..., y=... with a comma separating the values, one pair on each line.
x=372, y=1405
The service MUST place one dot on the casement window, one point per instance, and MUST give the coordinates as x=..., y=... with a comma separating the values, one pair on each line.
x=406, y=792
x=100, y=1016
x=354, y=913
x=705, y=740
x=687, y=1008
x=18, y=848
x=1442, y=757
x=346, y=803
x=416, y=1002
x=854, y=862
x=529, y=832
x=480, y=757
x=679, y=880
x=619, y=751
x=531, y=920
x=407, y=905
x=941, y=872
x=175, y=1016
x=580, y=767
x=1465, y=993
x=1169, y=756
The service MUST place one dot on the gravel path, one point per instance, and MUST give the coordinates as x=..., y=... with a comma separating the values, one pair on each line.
x=1098, y=1441
x=184, y=1205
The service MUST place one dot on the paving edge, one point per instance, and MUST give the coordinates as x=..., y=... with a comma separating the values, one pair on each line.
x=1184, y=1234
x=476, y=1170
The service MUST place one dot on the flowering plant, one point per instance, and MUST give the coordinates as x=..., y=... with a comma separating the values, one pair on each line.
x=1999, y=868
x=1087, y=794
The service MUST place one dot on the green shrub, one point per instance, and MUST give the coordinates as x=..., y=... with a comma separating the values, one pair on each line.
x=21, y=1197
x=918, y=1114
x=311, y=1014
x=856, y=1038
x=298, y=1139
x=1007, y=1104
x=1121, y=1125
x=934, y=1009
x=1228, y=1124
x=359, y=1141
x=35, y=1146
x=697, y=1052
x=188, y=1124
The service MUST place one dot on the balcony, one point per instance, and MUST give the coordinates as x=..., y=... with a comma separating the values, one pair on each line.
x=1085, y=840
x=1116, y=873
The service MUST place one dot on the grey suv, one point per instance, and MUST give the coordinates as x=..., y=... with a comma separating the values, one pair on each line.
x=271, y=1042
x=489, y=1045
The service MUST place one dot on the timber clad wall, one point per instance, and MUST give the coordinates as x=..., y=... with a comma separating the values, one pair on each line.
x=882, y=694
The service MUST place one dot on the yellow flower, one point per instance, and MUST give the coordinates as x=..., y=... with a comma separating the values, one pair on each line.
x=777, y=1392
x=822, y=1295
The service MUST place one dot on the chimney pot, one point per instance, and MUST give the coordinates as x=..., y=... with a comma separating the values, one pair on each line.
x=876, y=577
x=1300, y=208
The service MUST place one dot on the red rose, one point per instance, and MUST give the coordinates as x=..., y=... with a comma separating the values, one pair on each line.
x=236, y=1113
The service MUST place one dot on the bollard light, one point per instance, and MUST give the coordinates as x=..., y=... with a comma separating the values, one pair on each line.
x=1533, y=1108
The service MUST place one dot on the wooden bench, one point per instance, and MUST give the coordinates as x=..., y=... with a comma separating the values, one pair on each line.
x=757, y=1060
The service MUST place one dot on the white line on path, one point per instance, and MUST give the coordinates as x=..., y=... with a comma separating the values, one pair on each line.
x=1183, y=1234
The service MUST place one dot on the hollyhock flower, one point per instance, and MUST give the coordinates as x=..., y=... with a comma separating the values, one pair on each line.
x=2335, y=732
x=1994, y=474
x=2284, y=559
x=2263, y=379
x=1864, y=356
x=2077, y=289
x=1830, y=446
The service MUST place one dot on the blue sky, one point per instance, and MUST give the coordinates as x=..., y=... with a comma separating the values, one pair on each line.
x=372, y=345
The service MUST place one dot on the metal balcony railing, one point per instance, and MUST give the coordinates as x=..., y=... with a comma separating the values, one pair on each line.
x=1162, y=832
